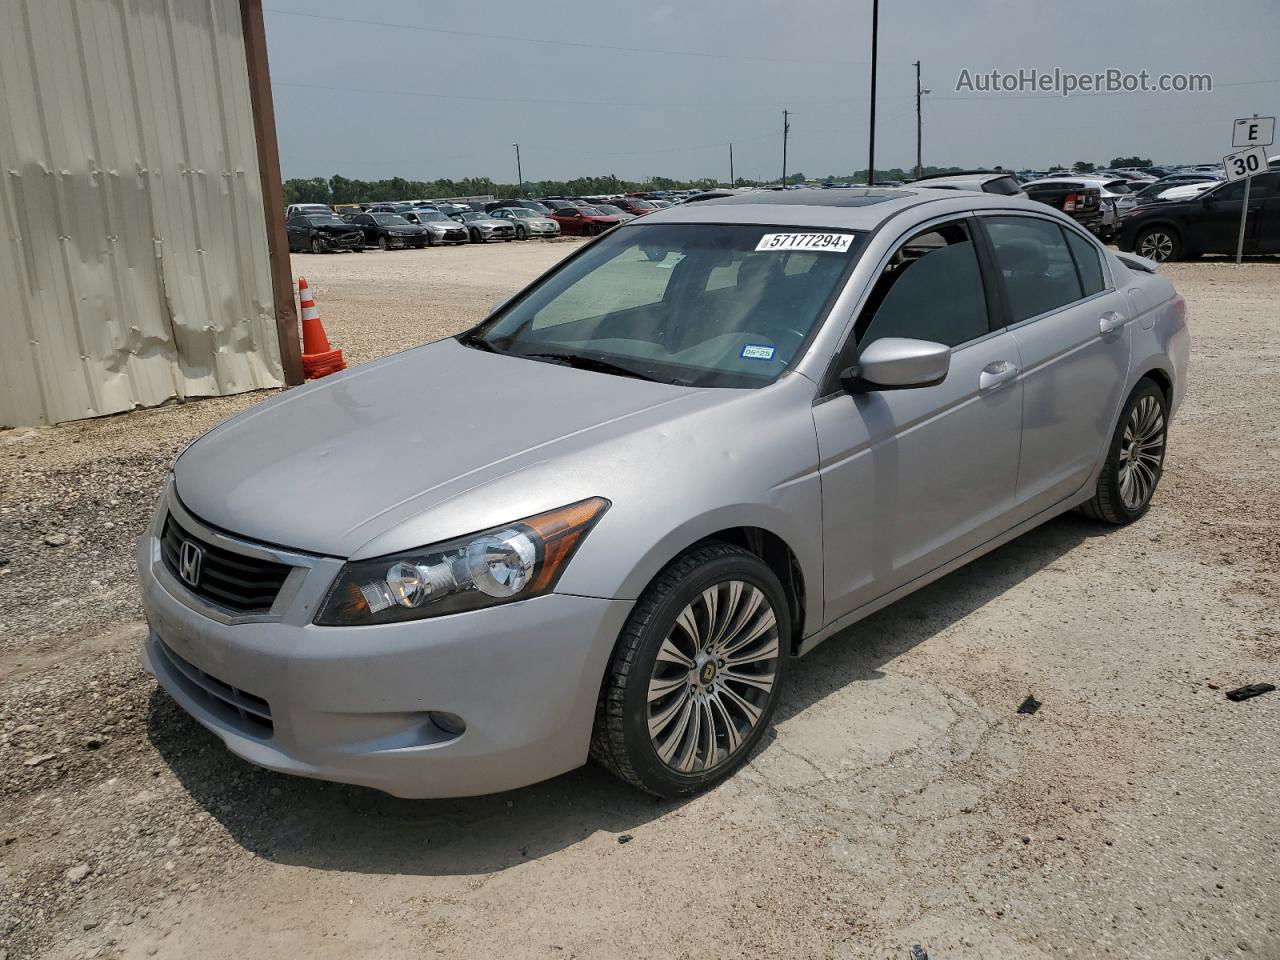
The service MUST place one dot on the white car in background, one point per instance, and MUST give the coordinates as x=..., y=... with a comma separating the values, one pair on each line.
x=1187, y=190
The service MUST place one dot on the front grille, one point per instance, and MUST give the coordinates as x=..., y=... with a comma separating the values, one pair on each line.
x=238, y=582
x=234, y=706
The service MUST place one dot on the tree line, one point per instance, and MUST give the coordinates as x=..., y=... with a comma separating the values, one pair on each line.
x=339, y=189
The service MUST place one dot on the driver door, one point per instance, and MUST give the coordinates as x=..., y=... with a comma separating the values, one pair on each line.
x=912, y=478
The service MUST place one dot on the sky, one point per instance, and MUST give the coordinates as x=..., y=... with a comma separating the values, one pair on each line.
x=428, y=89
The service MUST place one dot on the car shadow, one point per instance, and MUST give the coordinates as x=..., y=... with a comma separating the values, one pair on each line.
x=328, y=826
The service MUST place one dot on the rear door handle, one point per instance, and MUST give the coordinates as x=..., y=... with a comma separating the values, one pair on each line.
x=1111, y=321
x=995, y=375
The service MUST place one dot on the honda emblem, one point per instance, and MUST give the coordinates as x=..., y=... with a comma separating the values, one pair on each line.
x=189, y=563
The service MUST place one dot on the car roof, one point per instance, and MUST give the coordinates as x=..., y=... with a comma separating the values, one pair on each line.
x=858, y=208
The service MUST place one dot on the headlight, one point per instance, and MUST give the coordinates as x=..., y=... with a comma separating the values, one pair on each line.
x=512, y=562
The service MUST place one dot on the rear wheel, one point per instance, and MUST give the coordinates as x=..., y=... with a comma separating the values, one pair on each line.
x=317, y=245
x=1135, y=459
x=1159, y=244
x=696, y=673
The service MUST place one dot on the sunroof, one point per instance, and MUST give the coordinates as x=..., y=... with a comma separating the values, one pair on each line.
x=851, y=197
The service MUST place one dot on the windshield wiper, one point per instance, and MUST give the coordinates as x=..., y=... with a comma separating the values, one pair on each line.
x=580, y=362
x=474, y=339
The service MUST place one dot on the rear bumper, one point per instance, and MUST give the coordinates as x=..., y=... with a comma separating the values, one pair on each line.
x=351, y=704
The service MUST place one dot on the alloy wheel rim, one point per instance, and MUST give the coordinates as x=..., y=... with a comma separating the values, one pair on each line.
x=713, y=677
x=1157, y=246
x=1141, y=452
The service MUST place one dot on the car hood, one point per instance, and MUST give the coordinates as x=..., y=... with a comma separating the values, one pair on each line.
x=332, y=466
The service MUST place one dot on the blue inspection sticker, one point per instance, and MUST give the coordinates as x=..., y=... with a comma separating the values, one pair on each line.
x=758, y=351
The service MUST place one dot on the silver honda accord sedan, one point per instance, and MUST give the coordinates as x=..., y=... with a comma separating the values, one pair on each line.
x=600, y=523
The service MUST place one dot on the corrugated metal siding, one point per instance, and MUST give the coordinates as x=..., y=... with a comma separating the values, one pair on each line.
x=133, y=265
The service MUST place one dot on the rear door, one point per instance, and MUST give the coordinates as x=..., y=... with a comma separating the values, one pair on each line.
x=1264, y=204
x=1216, y=227
x=913, y=478
x=1072, y=330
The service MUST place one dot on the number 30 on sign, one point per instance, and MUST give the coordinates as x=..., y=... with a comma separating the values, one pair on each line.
x=1246, y=163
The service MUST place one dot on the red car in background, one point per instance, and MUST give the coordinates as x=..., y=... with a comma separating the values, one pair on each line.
x=582, y=221
x=634, y=206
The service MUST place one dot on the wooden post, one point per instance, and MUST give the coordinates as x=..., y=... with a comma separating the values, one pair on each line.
x=264, y=130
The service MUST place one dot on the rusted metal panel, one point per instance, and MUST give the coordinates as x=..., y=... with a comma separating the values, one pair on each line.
x=133, y=264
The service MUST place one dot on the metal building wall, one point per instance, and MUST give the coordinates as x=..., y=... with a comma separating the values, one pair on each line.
x=133, y=260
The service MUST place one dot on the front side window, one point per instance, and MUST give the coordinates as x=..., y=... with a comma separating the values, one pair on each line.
x=1035, y=262
x=692, y=304
x=931, y=289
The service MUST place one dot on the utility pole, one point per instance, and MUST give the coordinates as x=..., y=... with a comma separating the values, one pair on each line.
x=786, y=128
x=920, y=91
x=731, y=180
x=871, y=139
x=519, y=172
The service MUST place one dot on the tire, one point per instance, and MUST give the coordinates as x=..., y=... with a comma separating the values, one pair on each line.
x=475, y=237
x=418, y=245
x=317, y=246
x=1124, y=489
x=522, y=233
x=384, y=244
x=698, y=688
x=1158, y=243
x=359, y=249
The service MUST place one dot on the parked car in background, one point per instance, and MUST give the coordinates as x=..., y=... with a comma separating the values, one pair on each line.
x=603, y=522
x=482, y=227
x=533, y=205
x=609, y=210
x=322, y=232
x=984, y=181
x=633, y=205
x=318, y=208
x=582, y=221
x=527, y=223
x=390, y=230
x=440, y=229
x=556, y=203
x=1208, y=223
x=1155, y=191
x=1072, y=195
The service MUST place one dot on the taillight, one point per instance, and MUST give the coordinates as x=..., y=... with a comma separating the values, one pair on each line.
x=1180, y=307
x=1069, y=205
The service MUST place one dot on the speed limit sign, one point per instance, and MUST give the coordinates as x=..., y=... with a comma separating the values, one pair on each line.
x=1246, y=163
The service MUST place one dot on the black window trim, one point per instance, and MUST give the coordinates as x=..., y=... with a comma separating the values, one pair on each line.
x=845, y=355
x=1007, y=312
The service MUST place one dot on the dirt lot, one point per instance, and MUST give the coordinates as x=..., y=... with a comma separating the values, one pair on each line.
x=899, y=800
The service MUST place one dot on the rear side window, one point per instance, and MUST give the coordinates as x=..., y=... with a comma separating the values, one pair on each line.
x=930, y=290
x=1005, y=186
x=1087, y=261
x=1036, y=265
x=1118, y=186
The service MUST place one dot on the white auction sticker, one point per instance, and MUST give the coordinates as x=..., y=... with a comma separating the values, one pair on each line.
x=827, y=242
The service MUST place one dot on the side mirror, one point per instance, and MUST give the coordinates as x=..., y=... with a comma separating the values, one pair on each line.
x=897, y=363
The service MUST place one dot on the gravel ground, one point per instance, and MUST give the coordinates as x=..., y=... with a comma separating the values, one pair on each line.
x=900, y=798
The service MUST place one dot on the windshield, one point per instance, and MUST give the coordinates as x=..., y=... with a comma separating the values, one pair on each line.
x=642, y=205
x=690, y=304
x=609, y=210
x=317, y=219
x=425, y=215
x=522, y=212
x=474, y=216
x=591, y=211
x=389, y=218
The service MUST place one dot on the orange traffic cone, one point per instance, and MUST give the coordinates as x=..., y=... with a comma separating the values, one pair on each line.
x=318, y=358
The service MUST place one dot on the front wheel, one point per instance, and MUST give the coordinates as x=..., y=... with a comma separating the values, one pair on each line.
x=1135, y=459
x=317, y=246
x=1159, y=244
x=475, y=236
x=384, y=244
x=696, y=673
x=521, y=233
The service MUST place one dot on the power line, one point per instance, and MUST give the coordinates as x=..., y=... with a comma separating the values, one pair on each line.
x=556, y=42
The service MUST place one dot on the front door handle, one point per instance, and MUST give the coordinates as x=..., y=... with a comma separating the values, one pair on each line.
x=995, y=375
x=1111, y=321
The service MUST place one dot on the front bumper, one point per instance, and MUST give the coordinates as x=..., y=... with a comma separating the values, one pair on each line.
x=351, y=704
